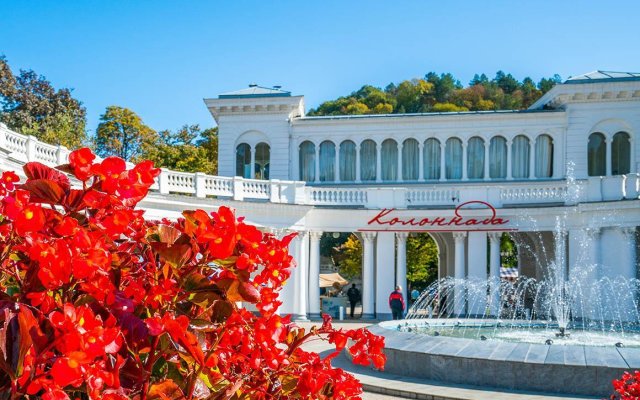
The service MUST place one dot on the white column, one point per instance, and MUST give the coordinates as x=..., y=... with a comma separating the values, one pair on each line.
x=464, y=161
x=336, y=165
x=317, y=163
x=487, y=143
x=629, y=252
x=494, y=272
x=477, y=272
x=559, y=238
x=532, y=159
x=314, y=274
x=459, y=272
x=509, y=169
x=385, y=260
x=443, y=172
x=358, y=163
x=401, y=263
x=421, y=161
x=302, y=281
x=378, y=162
x=368, y=278
x=608, y=142
x=252, y=174
x=400, y=177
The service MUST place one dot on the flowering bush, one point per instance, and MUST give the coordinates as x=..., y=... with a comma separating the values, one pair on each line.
x=98, y=302
x=627, y=387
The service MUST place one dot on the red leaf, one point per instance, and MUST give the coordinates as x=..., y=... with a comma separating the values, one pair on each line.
x=44, y=191
x=249, y=292
x=36, y=170
x=165, y=390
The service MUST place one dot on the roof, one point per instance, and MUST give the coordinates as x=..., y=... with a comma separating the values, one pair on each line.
x=426, y=114
x=604, y=76
x=255, y=91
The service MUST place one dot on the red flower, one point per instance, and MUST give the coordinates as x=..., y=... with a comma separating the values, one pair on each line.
x=81, y=162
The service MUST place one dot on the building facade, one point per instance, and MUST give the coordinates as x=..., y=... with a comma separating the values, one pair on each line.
x=562, y=176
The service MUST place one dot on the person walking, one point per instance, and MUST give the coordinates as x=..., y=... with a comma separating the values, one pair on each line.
x=354, y=297
x=396, y=303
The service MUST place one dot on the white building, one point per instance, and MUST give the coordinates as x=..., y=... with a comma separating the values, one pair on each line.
x=463, y=177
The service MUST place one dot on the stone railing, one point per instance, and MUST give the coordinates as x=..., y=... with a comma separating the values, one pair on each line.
x=20, y=149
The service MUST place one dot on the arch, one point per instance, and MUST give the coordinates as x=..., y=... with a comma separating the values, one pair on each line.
x=243, y=160
x=307, y=158
x=389, y=160
x=347, y=161
x=252, y=138
x=431, y=155
x=327, y=161
x=621, y=153
x=520, y=157
x=475, y=158
x=597, y=155
x=410, y=160
x=262, y=161
x=498, y=158
x=544, y=156
x=368, y=160
x=453, y=158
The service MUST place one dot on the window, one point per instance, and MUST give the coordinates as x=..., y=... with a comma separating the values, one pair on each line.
x=475, y=158
x=327, y=161
x=453, y=158
x=544, y=156
x=368, y=160
x=243, y=160
x=431, y=159
x=347, y=161
x=498, y=158
x=410, y=160
x=307, y=162
x=621, y=154
x=262, y=161
x=389, y=159
x=597, y=155
x=520, y=157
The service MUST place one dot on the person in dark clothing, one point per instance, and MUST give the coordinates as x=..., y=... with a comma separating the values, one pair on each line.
x=354, y=297
x=396, y=303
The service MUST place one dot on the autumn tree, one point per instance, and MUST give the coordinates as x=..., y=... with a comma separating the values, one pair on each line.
x=122, y=133
x=31, y=105
x=188, y=149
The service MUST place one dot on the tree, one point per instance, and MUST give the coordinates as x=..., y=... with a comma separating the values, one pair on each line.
x=99, y=303
x=422, y=261
x=349, y=257
x=32, y=106
x=188, y=149
x=122, y=133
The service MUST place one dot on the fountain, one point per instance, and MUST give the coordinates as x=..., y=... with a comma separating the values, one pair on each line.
x=571, y=331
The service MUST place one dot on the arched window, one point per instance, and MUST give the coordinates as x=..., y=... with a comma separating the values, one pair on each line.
x=243, y=160
x=453, y=158
x=410, y=160
x=520, y=157
x=368, y=160
x=307, y=161
x=597, y=155
x=498, y=158
x=621, y=154
x=262, y=161
x=347, y=161
x=327, y=161
x=431, y=159
x=475, y=158
x=389, y=159
x=544, y=156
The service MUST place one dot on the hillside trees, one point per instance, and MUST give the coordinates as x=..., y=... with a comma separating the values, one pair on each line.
x=31, y=105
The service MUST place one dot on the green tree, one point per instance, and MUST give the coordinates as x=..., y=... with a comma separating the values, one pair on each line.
x=122, y=133
x=422, y=261
x=349, y=257
x=32, y=106
x=188, y=149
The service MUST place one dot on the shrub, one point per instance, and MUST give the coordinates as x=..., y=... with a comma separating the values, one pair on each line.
x=627, y=387
x=98, y=302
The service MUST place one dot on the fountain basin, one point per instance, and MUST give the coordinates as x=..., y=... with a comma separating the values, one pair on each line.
x=568, y=368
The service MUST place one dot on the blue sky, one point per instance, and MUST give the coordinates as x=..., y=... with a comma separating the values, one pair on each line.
x=161, y=58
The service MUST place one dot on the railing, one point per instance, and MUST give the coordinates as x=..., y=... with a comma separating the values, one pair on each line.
x=21, y=148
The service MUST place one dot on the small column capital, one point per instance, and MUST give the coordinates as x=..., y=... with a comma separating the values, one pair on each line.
x=315, y=235
x=402, y=236
x=628, y=231
x=494, y=236
x=592, y=233
x=369, y=236
x=459, y=236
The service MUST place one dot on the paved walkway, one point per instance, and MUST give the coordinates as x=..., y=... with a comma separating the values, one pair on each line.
x=381, y=386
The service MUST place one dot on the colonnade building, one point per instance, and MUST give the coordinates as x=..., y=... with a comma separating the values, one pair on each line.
x=562, y=176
